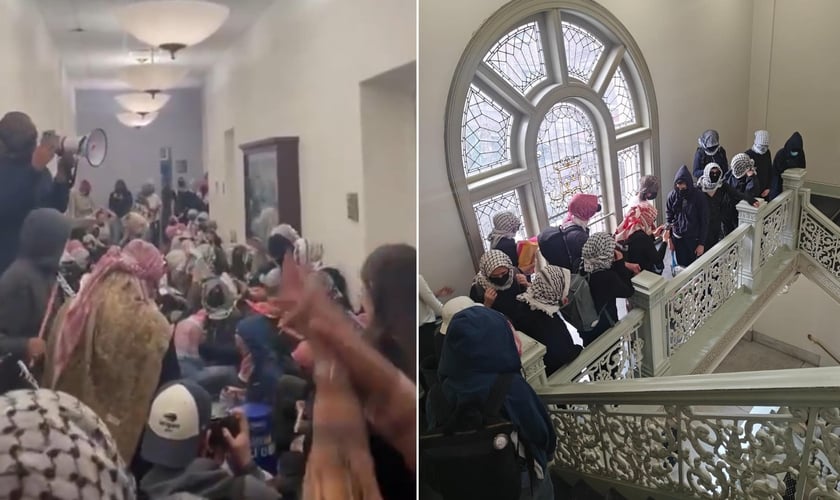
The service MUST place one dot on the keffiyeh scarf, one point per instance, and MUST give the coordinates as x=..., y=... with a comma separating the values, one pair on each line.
x=762, y=141
x=286, y=231
x=741, y=164
x=489, y=262
x=598, y=252
x=55, y=446
x=706, y=183
x=548, y=289
x=309, y=254
x=641, y=216
x=505, y=225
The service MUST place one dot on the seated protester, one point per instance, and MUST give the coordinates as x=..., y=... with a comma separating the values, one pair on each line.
x=637, y=234
x=263, y=365
x=68, y=452
x=759, y=153
x=609, y=280
x=135, y=227
x=686, y=218
x=709, y=151
x=219, y=302
x=118, y=373
x=722, y=199
x=503, y=236
x=479, y=348
x=574, y=232
x=548, y=292
x=742, y=176
x=790, y=156
x=497, y=285
x=187, y=336
x=188, y=458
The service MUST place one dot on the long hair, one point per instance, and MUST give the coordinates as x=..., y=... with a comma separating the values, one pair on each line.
x=389, y=275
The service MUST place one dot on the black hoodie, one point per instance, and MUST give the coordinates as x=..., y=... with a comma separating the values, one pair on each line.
x=792, y=155
x=26, y=285
x=687, y=214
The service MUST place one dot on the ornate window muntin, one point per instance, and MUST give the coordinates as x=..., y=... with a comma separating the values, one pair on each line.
x=529, y=103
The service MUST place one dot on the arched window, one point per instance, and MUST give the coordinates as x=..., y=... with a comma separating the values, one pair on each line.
x=549, y=99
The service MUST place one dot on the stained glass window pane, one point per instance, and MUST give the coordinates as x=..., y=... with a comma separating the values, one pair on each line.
x=567, y=156
x=619, y=100
x=582, y=51
x=518, y=58
x=485, y=133
x=629, y=173
x=486, y=209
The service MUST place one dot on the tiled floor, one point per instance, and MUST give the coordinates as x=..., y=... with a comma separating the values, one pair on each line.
x=751, y=356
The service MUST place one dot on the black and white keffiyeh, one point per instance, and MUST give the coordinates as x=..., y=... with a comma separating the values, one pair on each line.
x=489, y=262
x=309, y=254
x=741, y=164
x=762, y=141
x=598, y=252
x=705, y=183
x=54, y=446
x=286, y=231
x=505, y=225
x=548, y=289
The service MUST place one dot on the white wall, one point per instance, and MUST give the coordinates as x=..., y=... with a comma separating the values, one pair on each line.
x=805, y=309
x=33, y=78
x=698, y=54
x=795, y=79
x=389, y=155
x=297, y=73
x=134, y=154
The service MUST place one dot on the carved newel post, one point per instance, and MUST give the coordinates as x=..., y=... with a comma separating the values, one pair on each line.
x=650, y=296
x=794, y=180
x=751, y=247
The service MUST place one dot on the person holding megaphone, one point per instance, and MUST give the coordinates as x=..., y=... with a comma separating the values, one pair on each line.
x=27, y=183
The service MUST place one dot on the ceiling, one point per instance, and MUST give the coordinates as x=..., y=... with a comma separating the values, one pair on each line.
x=93, y=56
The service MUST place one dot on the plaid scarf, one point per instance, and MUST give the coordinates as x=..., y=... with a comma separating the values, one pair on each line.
x=505, y=225
x=489, y=262
x=641, y=216
x=548, y=289
x=598, y=252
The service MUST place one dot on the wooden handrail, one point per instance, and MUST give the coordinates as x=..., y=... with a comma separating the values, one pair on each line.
x=824, y=348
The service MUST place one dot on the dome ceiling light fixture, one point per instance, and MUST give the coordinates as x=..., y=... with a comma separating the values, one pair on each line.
x=142, y=103
x=172, y=25
x=152, y=78
x=135, y=120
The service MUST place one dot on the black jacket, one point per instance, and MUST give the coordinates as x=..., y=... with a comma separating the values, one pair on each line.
x=608, y=285
x=701, y=159
x=763, y=169
x=121, y=203
x=723, y=216
x=641, y=250
x=790, y=156
x=552, y=332
x=506, y=301
x=508, y=246
x=747, y=184
x=689, y=214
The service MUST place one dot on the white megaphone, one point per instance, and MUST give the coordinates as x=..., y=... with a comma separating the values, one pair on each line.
x=92, y=147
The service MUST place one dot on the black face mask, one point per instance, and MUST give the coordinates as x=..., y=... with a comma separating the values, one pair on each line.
x=651, y=196
x=500, y=280
x=681, y=192
x=714, y=176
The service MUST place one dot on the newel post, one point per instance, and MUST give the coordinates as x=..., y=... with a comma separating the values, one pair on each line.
x=794, y=180
x=751, y=247
x=650, y=296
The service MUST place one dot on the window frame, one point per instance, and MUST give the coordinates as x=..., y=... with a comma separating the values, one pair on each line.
x=521, y=173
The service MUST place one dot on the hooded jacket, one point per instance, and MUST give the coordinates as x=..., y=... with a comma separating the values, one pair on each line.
x=763, y=177
x=792, y=155
x=479, y=347
x=257, y=333
x=688, y=214
x=26, y=285
x=205, y=479
x=701, y=159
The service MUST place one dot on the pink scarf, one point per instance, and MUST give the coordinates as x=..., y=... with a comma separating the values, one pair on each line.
x=583, y=206
x=140, y=259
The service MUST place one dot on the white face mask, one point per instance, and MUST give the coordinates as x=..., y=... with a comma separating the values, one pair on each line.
x=760, y=148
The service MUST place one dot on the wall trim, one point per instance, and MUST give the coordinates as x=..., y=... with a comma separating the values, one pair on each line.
x=823, y=189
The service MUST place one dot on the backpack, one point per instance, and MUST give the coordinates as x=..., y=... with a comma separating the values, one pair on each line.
x=472, y=455
x=580, y=310
x=552, y=245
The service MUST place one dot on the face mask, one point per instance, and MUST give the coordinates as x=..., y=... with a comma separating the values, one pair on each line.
x=760, y=148
x=794, y=153
x=681, y=192
x=714, y=176
x=651, y=196
x=712, y=151
x=500, y=280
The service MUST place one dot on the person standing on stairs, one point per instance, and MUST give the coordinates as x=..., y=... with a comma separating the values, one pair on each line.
x=609, y=280
x=708, y=151
x=503, y=236
x=721, y=198
x=790, y=156
x=497, y=285
x=686, y=219
x=760, y=154
x=561, y=246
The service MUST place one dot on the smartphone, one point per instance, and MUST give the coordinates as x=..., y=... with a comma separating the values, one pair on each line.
x=217, y=438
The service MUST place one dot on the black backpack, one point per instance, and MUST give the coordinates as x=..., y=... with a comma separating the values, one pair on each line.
x=552, y=244
x=472, y=455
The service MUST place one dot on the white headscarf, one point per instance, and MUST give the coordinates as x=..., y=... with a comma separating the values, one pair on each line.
x=762, y=141
x=548, y=289
x=286, y=231
x=505, y=225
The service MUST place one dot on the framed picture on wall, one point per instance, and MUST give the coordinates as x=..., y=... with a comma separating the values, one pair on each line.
x=272, y=185
x=180, y=166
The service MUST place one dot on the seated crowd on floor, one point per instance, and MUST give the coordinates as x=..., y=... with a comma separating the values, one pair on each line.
x=470, y=348
x=144, y=363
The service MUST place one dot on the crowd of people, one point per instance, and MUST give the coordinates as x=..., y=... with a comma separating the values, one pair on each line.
x=143, y=363
x=469, y=346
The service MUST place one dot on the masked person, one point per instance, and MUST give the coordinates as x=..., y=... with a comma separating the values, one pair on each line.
x=609, y=280
x=498, y=284
x=709, y=151
x=722, y=199
x=687, y=219
x=790, y=156
x=548, y=292
x=503, y=236
x=742, y=176
x=637, y=235
x=27, y=183
x=759, y=153
x=561, y=246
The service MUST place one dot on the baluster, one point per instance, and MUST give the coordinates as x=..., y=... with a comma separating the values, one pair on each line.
x=751, y=247
x=650, y=296
x=794, y=180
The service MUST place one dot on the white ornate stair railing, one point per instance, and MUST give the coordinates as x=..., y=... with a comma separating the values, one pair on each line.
x=771, y=223
x=722, y=436
x=819, y=237
x=616, y=354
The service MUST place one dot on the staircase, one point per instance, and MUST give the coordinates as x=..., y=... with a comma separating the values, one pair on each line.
x=657, y=423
